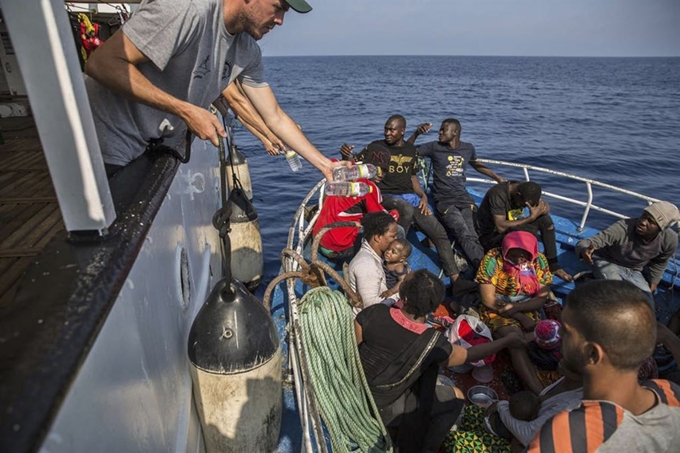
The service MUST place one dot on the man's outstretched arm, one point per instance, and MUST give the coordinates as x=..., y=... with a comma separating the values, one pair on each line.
x=114, y=65
x=286, y=129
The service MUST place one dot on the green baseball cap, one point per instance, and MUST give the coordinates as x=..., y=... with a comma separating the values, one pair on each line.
x=301, y=6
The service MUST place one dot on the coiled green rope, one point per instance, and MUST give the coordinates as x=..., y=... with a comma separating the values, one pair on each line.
x=347, y=407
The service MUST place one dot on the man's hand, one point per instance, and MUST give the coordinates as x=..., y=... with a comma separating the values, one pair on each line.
x=387, y=294
x=271, y=148
x=423, y=206
x=508, y=310
x=539, y=209
x=328, y=172
x=587, y=254
x=346, y=150
x=203, y=124
x=423, y=128
x=276, y=146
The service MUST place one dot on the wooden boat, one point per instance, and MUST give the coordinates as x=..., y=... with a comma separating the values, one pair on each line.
x=575, y=212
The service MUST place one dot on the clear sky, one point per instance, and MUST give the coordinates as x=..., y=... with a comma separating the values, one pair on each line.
x=480, y=27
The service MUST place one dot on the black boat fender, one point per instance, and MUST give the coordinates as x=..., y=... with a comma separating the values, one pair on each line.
x=235, y=357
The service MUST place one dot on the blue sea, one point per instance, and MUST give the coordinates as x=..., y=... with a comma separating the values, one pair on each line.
x=616, y=120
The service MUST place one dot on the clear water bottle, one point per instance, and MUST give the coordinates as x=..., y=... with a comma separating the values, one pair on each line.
x=366, y=171
x=293, y=160
x=347, y=189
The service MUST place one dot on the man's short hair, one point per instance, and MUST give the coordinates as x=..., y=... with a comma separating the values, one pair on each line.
x=454, y=121
x=399, y=118
x=530, y=191
x=376, y=224
x=616, y=315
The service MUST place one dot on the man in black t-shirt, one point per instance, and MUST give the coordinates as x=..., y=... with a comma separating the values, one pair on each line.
x=502, y=210
x=401, y=189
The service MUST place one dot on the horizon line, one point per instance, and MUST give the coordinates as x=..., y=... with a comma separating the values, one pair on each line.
x=495, y=56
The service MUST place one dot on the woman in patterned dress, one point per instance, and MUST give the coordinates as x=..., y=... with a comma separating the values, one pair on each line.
x=514, y=285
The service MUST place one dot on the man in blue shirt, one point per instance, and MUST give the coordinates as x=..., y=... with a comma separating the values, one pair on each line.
x=450, y=157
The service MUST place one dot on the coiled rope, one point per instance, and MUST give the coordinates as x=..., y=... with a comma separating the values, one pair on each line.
x=347, y=407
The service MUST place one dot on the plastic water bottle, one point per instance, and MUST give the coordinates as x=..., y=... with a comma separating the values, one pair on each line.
x=354, y=172
x=293, y=160
x=347, y=189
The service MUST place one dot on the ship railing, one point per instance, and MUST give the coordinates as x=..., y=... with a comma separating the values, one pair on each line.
x=587, y=205
x=310, y=419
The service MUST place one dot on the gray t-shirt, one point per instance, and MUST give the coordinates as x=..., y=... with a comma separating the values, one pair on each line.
x=449, y=165
x=191, y=57
x=605, y=427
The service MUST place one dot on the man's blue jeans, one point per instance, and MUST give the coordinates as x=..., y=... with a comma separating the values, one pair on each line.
x=604, y=270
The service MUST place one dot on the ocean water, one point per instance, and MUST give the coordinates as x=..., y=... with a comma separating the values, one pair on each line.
x=615, y=120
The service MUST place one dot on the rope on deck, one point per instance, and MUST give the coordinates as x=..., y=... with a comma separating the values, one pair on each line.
x=347, y=407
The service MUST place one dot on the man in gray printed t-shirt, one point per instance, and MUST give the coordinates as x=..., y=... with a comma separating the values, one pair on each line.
x=157, y=76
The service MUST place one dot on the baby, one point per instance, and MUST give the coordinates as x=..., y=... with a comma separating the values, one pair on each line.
x=395, y=265
x=524, y=405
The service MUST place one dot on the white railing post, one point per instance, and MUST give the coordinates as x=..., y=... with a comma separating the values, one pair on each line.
x=44, y=46
x=589, y=203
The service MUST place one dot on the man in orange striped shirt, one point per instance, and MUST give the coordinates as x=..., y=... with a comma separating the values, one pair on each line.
x=608, y=330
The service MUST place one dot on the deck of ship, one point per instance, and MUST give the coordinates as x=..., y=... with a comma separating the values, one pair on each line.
x=29, y=212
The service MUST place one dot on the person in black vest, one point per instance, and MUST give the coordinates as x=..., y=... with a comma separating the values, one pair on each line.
x=401, y=354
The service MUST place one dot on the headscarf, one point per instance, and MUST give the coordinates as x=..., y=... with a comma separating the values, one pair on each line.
x=528, y=281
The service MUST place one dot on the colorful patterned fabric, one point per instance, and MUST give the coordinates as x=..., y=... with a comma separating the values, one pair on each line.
x=496, y=321
x=491, y=272
x=472, y=436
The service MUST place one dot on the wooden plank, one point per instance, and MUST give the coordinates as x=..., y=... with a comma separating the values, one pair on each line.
x=17, y=182
x=22, y=159
x=41, y=229
x=25, y=144
x=18, y=200
x=16, y=237
x=40, y=187
x=10, y=159
x=19, y=252
x=56, y=228
x=35, y=159
x=11, y=277
x=31, y=162
x=8, y=295
x=6, y=263
x=19, y=217
x=28, y=186
x=6, y=178
x=24, y=169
